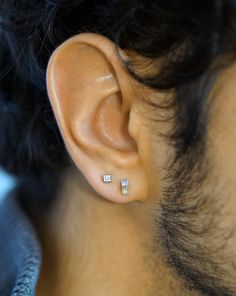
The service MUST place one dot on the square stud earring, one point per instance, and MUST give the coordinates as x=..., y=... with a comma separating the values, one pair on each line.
x=124, y=186
x=107, y=178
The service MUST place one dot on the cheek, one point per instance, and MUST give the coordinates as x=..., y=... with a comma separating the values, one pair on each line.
x=222, y=145
x=159, y=157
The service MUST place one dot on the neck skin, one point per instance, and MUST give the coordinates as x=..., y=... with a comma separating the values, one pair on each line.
x=92, y=247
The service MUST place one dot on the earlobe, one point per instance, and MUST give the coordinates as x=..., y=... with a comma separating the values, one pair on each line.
x=92, y=102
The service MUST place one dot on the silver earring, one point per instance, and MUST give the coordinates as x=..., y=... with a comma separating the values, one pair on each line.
x=107, y=178
x=124, y=186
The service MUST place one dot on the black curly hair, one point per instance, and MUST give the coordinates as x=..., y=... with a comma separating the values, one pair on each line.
x=186, y=36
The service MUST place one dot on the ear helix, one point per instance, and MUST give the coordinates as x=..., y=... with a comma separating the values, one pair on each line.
x=124, y=184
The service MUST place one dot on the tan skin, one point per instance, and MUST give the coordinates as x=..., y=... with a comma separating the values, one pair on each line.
x=95, y=241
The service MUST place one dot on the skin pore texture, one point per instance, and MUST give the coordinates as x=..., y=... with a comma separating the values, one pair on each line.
x=175, y=233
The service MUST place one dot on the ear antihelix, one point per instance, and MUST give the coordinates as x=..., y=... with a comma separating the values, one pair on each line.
x=111, y=124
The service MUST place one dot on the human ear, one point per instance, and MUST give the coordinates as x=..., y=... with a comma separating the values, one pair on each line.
x=95, y=107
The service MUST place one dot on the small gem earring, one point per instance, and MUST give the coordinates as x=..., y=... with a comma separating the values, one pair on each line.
x=107, y=178
x=124, y=186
